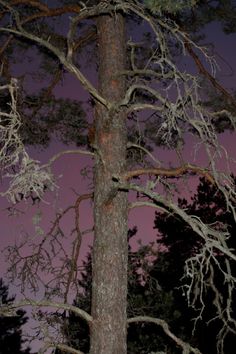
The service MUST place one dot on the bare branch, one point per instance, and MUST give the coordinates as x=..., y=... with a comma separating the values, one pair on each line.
x=67, y=152
x=203, y=71
x=44, y=10
x=140, y=87
x=46, y=303
x=72, y=276
x=147, y=204
x=66, y=348
x=200, y=267
x=172, y=172
x=60, y=55
x=146, y=151
x=214, y=238
x=186, y=347
x=164, y=88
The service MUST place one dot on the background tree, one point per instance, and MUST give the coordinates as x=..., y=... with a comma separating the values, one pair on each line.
x=11, y=340
x=177, y=238
x=135, y=77
x=155, y=283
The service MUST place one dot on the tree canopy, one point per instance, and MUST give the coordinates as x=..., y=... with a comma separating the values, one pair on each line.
x=140, y=98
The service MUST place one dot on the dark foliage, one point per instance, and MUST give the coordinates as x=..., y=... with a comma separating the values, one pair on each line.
x=181, y=242
x=154, y=287
x=11, y=341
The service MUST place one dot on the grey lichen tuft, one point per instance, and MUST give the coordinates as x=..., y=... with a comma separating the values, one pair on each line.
x=30, y=181
x=26, y=177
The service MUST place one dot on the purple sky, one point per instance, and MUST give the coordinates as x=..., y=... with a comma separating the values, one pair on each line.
x=69, y=167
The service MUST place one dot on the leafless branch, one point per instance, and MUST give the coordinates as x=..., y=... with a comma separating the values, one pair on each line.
x=172, y=172
x=49, y=253
x=179, y=104
x=72, y=276
x=67, y=152
x=199, y=270
x=186, y=347
x=146, y=151
x=66, y=348
x=46, y=303
x=20, y=31
x=147, y=204
x=204, y=72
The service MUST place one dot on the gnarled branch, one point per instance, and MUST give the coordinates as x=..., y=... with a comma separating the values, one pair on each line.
x=187, y=348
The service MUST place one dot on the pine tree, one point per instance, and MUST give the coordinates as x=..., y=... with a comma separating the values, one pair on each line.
x=135, y=76
x=156, y=287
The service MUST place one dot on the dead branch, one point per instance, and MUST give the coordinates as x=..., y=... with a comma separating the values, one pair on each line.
x=180, y=105
x=214, y=238
x=46, y=303
x=72, y=276
x=66, y=348
x=165, y=172
x=199, y=268
x=186, y=347
x=44, y=10
x=206, y=73
x=148, y=204
x=49, y=340
x=5, y=44
x=67, y=152
x=131, y=145
x=31, y=179
x=60, y=55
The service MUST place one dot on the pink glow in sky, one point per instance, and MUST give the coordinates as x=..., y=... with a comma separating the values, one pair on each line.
x=69, y=166
x=71, y=183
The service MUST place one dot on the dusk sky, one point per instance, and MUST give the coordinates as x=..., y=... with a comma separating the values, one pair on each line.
x=72, y=183
x=68, y=167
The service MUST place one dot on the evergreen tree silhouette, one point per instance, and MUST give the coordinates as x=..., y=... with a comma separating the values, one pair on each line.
x=11, y=341
x=155, y=288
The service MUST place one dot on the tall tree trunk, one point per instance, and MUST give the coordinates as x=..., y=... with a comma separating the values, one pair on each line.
x=109, y=289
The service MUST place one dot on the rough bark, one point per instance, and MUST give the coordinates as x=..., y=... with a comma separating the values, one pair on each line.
x=109, y=288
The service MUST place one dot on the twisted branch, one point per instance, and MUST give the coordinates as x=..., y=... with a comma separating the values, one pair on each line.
x=187, y=348
x=165, y=172
x=20, y=31
x=46, y=303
